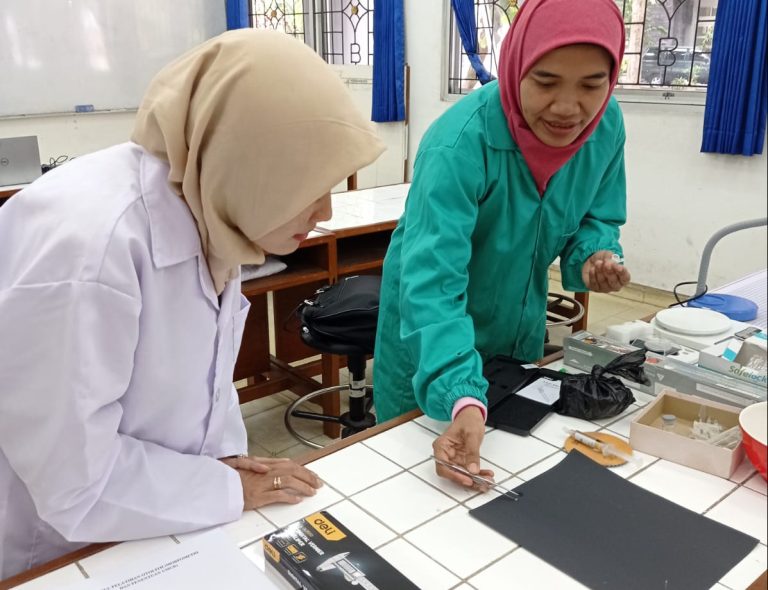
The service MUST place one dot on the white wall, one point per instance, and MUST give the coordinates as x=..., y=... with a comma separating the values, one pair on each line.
x=677, y=197
x=390, y=168
x=72, y=135
x=78, y=134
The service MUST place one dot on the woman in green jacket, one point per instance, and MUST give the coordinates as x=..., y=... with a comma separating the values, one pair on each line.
x=519, y=172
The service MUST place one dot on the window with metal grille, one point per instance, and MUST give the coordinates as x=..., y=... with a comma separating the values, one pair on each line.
x=339, y=30
x=668, y=43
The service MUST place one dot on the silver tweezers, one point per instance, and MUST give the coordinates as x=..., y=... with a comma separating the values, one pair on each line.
x=480, y=480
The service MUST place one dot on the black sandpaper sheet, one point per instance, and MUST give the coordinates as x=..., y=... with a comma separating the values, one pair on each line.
x=608, y=533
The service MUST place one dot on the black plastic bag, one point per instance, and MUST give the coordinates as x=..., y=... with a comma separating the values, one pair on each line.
x=629, y=366
x=597, y=395
x=346, y=312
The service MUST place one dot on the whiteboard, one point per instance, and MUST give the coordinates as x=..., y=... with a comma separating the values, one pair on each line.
x=57, y=54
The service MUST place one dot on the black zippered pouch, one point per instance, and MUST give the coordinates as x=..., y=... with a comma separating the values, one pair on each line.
x=506, y=409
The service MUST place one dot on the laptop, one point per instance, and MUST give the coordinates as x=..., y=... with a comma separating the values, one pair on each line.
x=19, y=160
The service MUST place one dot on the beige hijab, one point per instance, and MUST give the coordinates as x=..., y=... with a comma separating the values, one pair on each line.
x=255, y=127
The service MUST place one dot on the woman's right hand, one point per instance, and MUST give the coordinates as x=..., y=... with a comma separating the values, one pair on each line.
x=460, y=445
x=283, y=481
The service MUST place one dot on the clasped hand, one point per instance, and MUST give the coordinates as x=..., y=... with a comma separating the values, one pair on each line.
x=270, y=481
x=602, y=273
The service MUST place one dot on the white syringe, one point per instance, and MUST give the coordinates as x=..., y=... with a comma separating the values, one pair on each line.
x=607, y=449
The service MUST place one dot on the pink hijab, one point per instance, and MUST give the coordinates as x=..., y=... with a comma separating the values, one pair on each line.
x=539, y=27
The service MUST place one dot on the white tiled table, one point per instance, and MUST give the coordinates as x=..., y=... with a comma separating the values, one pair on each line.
x=366, y=207
x=383, y=487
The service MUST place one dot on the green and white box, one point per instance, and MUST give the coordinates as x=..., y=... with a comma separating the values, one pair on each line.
x=742, y=359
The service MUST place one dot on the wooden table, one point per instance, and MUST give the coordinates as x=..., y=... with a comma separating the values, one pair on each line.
x=309, y=268
x=373, y=478
x=7, y=191
x=354, y=241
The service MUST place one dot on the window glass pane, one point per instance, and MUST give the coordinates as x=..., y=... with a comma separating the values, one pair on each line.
x=492, y=18
x=282, y=15
x=668, y=43
x=350, y=24
x=339, y=30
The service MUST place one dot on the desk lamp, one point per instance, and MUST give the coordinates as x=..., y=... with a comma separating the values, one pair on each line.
x=736, y=308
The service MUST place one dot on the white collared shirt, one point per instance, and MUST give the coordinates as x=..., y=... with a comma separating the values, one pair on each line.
x=116, y=363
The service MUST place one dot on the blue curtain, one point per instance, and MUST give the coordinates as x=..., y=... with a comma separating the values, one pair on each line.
x=388, y=61
x=237, y=14
x=464, y=11
x=737, y=101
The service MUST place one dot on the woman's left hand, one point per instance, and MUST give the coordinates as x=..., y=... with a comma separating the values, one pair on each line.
x=602, y=273
x=255, y=464
x=269, y=480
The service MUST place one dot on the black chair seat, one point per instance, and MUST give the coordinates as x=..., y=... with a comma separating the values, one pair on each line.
x=357, y=348
x=333, y=346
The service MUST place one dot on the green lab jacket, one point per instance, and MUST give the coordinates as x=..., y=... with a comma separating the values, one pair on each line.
x=465, y=276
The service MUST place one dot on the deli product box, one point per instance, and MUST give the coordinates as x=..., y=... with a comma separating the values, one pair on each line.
x=320, y=553
x=647, y=434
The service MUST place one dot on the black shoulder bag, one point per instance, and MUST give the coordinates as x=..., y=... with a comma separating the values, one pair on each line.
x=346, y=312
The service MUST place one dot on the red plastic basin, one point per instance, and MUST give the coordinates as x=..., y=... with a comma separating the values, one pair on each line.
x=753, y=421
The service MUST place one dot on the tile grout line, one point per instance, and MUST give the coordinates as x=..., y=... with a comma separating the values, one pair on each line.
x=82, y=570
x=399, y=535
x=458, y=503
x=432, y=559
x=462, y=504
x=726, y=496
x=493, y=562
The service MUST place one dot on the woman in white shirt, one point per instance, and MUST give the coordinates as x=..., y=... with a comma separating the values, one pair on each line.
x=120, y=305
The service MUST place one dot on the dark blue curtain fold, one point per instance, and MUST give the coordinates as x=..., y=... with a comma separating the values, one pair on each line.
x=737, y=92
x=388, y=61
x=237, y=14
x=464, y=11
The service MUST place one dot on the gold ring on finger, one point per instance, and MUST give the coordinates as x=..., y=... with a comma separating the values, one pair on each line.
x=277, y=483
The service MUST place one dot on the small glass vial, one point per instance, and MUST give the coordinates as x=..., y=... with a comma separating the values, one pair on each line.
x=668, y=422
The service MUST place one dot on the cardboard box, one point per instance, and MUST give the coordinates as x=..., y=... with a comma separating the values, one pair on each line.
x=738, y=358
x=646, y=433
x=319, y=553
